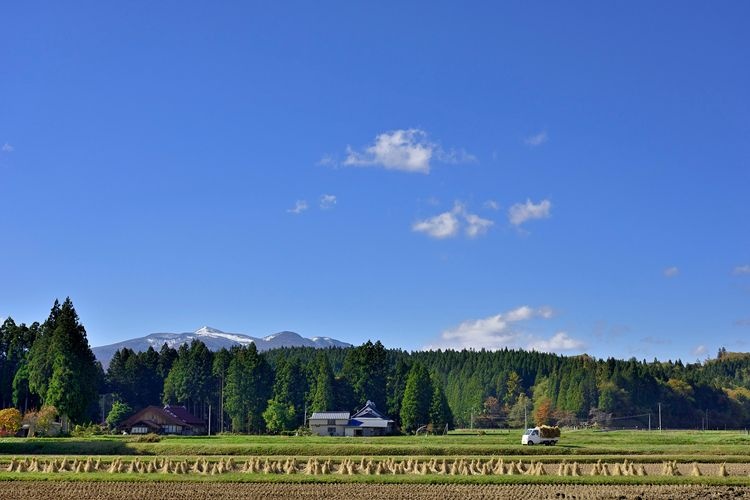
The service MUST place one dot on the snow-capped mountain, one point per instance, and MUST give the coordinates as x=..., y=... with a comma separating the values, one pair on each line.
x=214, y=340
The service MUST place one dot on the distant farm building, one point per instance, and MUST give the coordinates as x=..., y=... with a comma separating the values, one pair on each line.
x=167, y=420
x=366, y=422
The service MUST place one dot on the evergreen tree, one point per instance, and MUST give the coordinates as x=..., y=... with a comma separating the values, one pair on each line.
x=366, y=370
x=440, y=413
x=40, y=360
x=222, y=358
x=415, y=408
x=395, y=389
x=74, y=384
x=323, y=397
x=285, y=409
x=176, y=383
x=167, y=356
x=520, y=413
x=513, y=388
x=190, y=381
x=15, y=342
x=247, y=389
x=64, y=357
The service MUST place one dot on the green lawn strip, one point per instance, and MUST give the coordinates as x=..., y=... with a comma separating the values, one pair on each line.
x=573, y=444
x=377, y=479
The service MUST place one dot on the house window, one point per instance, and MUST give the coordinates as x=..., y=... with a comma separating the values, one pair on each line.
x=139, y=430
x=332, y=431
x=331, y=421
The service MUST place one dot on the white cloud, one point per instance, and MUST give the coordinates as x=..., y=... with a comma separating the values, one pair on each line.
x=476, y=226
x=504, y=330
x=536, y=139
x=741, y=270
x=700, y=350
x=327, y=201
x=326, y=161
x=445, y=225
x=454, y=156
x=560, y=341
x=7, y=148
x=299, y=207
x=408, y=150
x=448, y=224
x=671, y=272
x=522, y=212
x=492, y=205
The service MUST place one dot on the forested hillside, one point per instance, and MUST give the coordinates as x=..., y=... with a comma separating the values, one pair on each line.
x=51, y=364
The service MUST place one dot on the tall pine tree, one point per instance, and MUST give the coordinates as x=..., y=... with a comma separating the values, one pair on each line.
x=62, y=368
x=415, y=408
x=323, y=396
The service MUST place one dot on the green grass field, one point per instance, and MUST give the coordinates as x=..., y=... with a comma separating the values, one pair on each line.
x=712, y=445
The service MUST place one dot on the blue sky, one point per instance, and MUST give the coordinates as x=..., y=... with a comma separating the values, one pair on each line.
x=562, y=176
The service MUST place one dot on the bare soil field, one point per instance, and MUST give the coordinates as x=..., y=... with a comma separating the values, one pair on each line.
x=24, y=490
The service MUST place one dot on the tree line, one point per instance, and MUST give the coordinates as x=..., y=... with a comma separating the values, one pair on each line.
x=51, y=364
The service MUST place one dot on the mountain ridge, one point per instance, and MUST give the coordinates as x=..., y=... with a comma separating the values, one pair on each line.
x=215, y=340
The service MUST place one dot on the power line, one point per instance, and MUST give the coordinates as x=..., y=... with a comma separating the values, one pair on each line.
x=630, y=416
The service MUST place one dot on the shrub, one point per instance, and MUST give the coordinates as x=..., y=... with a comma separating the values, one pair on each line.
x=147, y=438
x=118, y=413
x=10, y=421
x=40, y=422
x=87, y=430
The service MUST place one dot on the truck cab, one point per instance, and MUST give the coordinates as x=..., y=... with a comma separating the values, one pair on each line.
x=531, y=436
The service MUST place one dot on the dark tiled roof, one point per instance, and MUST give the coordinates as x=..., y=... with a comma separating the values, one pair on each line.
x=140, y=417
x=172, y=415
x=181, y=413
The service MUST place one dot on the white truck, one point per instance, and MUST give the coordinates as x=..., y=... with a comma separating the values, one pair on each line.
x=547, y=436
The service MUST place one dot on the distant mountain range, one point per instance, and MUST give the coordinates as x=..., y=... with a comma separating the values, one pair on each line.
x=214, y=340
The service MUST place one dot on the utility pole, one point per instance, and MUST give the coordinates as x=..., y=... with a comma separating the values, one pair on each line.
x=472, y=420
x=209, y=420
x=659, y=417
x=304, y=420
x=649, y=421
x=525, y=418
x=707, y=419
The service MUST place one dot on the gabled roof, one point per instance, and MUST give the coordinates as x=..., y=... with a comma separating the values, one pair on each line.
x=369, y=411
x=173, y=415
x=330, y=415
x=181, y=413
x=369, y=422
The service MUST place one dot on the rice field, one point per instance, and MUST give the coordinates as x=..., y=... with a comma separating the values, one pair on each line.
x=432, y=470
x=623, y=464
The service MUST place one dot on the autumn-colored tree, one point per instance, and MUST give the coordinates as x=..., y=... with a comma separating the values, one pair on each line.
x=543, y=412
x=10, y=421
x=40, y=422
x=492, y=406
